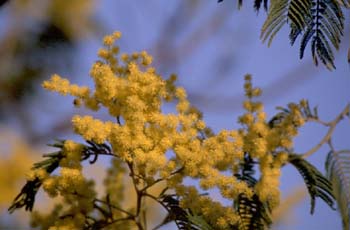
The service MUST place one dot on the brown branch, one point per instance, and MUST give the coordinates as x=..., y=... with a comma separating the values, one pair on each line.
x=115, y=207
x=332, y=125
x=139, y=195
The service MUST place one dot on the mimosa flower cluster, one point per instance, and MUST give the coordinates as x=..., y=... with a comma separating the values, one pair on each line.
x=167, y=147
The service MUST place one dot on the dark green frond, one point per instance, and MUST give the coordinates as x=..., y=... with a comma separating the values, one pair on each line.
x=294, y=33
x=299, y=13
x=318, y=21
x=254, y=215
x=316, y=183
x=257, y=4
x=184, y=219
x=344, y=3
x=325, y=27
x=277, y=17
x=247, y=171
x=338, y=172
x=27, y=195
x=306, y=38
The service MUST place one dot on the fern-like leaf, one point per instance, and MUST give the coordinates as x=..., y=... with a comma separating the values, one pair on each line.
x=318, y=21
x=247, y=171
x=184, y=219
x=299, y=13
x=325, y=27
x=338, y=172
x=26, y=197
x=254, y=215
x=257, y=4
x=316, y=183
x=276, y=19
x=344, y=3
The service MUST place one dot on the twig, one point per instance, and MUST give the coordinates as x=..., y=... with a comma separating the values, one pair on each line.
x=139, y=195
x=115, y=207
x=332, y=125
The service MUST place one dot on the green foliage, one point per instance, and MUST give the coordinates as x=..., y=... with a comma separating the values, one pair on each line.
x=316, y=183
x=257, y=4
x=247, y=171
x=199, y=221
x=254, y=215
x=319, y=22
x=184, y=219
x=26, y=197
x=338, y=172
x=275, y=20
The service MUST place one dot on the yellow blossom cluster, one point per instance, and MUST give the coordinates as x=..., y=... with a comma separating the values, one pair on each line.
x=142, y=136
x=268, y=142
x=71, y=185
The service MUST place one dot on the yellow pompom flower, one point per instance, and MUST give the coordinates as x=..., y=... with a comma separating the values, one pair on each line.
x=168, y=147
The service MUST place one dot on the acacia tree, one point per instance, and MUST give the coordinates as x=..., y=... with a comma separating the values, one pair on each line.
x=153, y=148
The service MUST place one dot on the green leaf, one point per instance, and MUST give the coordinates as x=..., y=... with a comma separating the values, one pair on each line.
x=316, y=183
x=318, y=21
x=299, y=13
x=199, y=221
x=338, y=172
x=327, y=27
x=257, y=4
x=247, y=171
x=184, y=219
x=277, y=17
x=27, y=195
x=254, y=215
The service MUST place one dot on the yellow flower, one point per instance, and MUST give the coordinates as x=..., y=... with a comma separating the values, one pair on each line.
x=108, y=40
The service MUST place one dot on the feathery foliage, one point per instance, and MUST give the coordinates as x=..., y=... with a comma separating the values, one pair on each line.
x=316, y=183
x=338, y=172
x=184, y=219
x=26, y=197
x=257, y=4
x=254, y=215
x=247, y=171
x=319, y=22
x=276, y=19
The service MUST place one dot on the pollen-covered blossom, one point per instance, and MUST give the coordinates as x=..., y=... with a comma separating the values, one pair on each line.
x=170, y=147
x=64, y=87
x=37, y=173
x=214, y=212
x=73, y=152
x=92, y=129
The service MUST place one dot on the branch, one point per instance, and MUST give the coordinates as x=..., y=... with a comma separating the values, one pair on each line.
x=332, y=125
